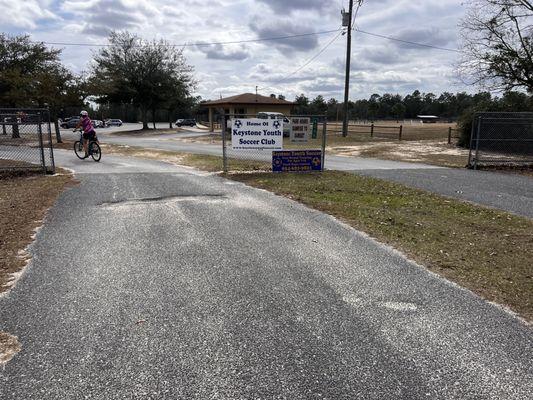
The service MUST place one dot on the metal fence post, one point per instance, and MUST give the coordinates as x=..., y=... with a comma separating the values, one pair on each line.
x=41, y=141
x=224, y=155
x=477, y=141
x=324, y=139
x=400, y=133
x=450, y=135
x=15, y=132
x=52, y=160
x=471, y=141
x=372, y=130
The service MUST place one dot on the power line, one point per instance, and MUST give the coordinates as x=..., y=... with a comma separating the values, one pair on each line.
x=359, y=4
x=406, y=41
x=200, y=44
x=309, y=61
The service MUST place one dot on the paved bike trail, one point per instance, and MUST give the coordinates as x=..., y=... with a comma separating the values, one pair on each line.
x=150, y=281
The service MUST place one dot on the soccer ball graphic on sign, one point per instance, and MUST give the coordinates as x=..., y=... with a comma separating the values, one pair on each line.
x=238, y=123
x=276, y=124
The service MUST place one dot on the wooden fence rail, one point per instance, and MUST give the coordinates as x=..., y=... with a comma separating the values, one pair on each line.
x=374, y=130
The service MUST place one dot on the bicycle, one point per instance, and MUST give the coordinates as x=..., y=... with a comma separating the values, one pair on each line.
x=93, y=147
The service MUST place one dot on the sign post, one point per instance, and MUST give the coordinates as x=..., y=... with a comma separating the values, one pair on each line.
x=315, y=128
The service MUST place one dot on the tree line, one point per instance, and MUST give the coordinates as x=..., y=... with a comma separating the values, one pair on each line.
x=389, y=106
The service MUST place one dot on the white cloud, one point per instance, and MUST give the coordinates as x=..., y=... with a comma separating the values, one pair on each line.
x=25, y=14
x=378, y=65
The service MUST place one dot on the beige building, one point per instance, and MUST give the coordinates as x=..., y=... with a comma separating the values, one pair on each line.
x=247, y=104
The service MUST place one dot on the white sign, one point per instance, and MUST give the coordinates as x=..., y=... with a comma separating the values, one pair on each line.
x=256, y=134
x=300, y=129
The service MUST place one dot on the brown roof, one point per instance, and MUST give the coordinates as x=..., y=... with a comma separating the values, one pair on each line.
x=248, y=98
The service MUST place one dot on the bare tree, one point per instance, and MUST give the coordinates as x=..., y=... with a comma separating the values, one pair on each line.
x=498, y=44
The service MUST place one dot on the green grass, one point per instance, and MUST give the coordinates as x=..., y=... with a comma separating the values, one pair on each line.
x=485, y=250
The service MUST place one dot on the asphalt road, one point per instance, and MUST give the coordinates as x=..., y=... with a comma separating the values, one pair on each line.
x=513, y=193
x=156, y=282
x=509, y=192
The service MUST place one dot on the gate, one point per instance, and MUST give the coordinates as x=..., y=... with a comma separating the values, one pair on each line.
x=499, y=138
x=26, y=140
x=296, y=136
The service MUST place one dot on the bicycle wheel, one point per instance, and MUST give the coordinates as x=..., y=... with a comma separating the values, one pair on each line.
x=78, y=149
x=95, y=151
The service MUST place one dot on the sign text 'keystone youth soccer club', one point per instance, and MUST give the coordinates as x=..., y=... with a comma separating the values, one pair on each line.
x=257, y=134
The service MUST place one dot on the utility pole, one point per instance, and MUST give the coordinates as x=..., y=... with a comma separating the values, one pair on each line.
x=347, y=81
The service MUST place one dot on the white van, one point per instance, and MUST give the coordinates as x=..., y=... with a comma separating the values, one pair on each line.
x=277, y=115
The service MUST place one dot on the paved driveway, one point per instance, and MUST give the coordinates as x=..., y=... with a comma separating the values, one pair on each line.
x=509, y=192
x=150, y=281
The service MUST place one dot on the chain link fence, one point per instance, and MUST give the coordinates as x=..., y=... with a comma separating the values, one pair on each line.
x=26, y=140
x=500, y=138
x=254, y=153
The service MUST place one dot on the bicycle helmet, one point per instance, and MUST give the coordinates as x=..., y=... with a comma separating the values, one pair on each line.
x=84, y=113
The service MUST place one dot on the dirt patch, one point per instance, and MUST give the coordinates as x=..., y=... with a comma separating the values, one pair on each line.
x=145, y=132
x=428, y=151
x=171, y=157
x=9, y=346
x=25, y=197
x=12, y=167
x=210, y=138
x=203, y=162
x=411, y=130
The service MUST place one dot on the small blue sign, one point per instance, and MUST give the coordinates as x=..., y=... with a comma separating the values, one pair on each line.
x=297, y=161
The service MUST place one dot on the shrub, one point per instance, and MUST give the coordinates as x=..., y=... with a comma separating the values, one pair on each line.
x=465, y=127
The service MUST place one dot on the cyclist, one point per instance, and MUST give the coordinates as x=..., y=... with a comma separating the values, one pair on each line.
x=88, y=130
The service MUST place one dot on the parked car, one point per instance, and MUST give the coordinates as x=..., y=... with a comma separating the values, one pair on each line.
x=186, y=122
x=11, y=120
x=98, y=123
x=70, y=123
x=113, y=122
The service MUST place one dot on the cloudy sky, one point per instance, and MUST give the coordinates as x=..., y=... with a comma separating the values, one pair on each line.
x=378, y=65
